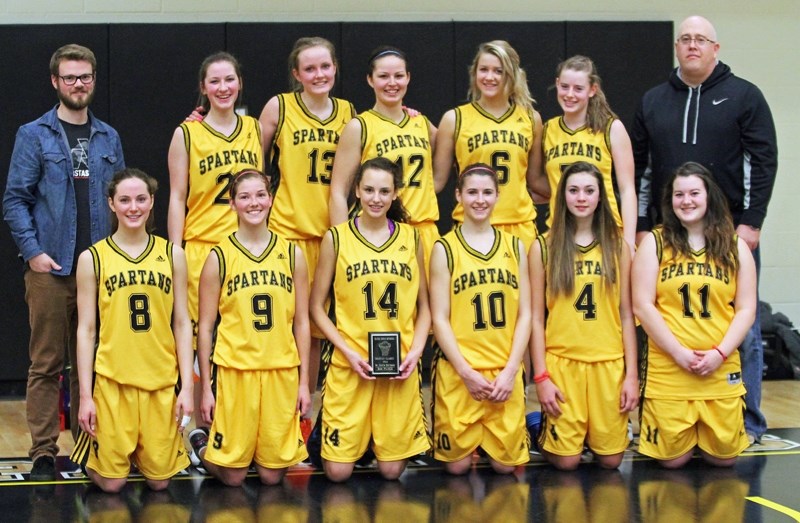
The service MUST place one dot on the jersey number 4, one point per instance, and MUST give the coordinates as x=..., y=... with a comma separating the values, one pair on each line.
x=586, y=303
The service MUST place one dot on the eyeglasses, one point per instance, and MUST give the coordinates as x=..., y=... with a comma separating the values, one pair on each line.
x=70, y=79
x=700, y=41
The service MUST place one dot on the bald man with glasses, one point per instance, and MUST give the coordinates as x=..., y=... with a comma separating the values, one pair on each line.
x=703, y=113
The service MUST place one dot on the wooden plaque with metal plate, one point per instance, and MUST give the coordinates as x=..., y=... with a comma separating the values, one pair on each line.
x=384, y=353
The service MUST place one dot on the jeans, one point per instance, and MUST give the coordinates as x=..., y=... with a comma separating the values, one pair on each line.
x=751, y=354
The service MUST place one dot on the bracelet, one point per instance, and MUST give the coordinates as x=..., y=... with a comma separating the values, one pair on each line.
x=720, y=352
x=544, y=376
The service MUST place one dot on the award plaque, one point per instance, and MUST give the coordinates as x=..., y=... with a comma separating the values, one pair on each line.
x=384, y=353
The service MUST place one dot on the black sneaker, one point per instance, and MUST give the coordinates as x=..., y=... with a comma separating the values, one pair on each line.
x=198, y=439
x=44, y=469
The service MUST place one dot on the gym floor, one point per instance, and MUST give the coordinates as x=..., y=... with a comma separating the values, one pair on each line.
x=762, y=487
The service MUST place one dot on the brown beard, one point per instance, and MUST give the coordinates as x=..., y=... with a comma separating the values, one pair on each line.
x=71, y=104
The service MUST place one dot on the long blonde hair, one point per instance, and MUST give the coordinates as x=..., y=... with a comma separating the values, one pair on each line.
x=515, y=80
x=561, y=248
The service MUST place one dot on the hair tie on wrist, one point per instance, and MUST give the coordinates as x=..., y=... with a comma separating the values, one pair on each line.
x=720, y=352
x=544, y=376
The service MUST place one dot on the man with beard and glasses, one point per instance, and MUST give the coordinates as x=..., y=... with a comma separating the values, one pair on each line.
x=56, y=207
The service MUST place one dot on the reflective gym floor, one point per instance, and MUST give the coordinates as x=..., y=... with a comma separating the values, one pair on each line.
x=764, y=486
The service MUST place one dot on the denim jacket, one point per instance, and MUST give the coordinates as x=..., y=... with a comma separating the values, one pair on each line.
x=39, y=202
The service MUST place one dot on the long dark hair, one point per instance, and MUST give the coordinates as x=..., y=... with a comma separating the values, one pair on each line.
x=561, y=248
x=718, y=227
x=397, y=211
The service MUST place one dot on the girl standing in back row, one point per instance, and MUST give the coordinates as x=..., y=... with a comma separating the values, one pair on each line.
x=203, y=157
x=388, y=130
x=589, y=131
x=500, y=128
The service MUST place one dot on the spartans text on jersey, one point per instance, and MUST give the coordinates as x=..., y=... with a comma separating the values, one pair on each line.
x=675, y=270
x=367, y=267
x=498, y=136
x=230, y=157
x=260, y=277
x=138, y=277
x=315, y=135
x=484, y=277
x=574, y=149
x=399, y=141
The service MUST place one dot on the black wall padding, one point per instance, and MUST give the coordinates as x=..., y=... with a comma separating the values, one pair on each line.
x=147, y=84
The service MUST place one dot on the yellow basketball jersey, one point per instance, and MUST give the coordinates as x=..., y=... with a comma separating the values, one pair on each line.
x=135, y=297
x=374, y=287
x=584, y=325
x=504, y=143
x=256, y=306
x=213, y=160
x=301, y=162
x=695, y=299
x=484, y=297
x=409, y=144
x=563, y=146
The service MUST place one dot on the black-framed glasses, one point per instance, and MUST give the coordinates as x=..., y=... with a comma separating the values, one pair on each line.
x=70, y=79
x=699, y=40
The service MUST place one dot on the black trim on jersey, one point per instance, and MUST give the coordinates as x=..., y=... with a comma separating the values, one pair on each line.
x=586, y=248
x=229, y=138
x=281, y=117
x=151, y=242
x=485, y=257
x=291, y=255
x=543, y=248
x=95, y=263
x=351, y=224
x=402, y=123
x=659, y=244
x=222, y=264
x=253, y=257
x=302, y=105
x=511, y=107
x=448, y=252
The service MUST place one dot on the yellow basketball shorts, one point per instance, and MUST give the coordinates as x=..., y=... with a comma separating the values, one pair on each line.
x=462, y=424
x=591, y=411
x=671, y=428
x=388, y=411
x=134, y=426
x=256, y=418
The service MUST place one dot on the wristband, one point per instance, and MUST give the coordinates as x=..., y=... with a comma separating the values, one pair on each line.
x=720, y=352
x=544, y=376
